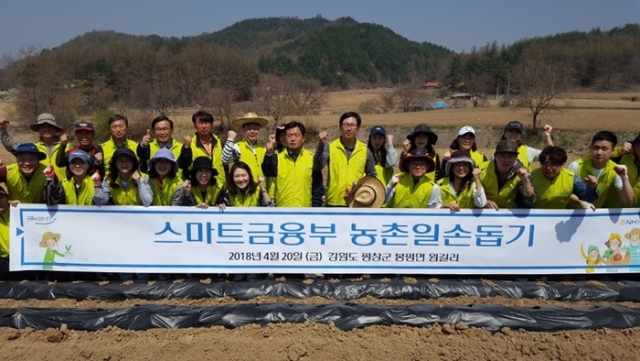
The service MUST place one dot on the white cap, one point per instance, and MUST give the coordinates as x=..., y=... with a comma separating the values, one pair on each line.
x=466, y=129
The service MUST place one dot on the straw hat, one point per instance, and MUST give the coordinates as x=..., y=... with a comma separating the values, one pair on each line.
x=369, y=192
x=249, y=118
x=634, y=232
x=47, y=236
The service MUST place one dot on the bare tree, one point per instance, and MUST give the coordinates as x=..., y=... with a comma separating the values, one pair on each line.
x=540, y=83
x=278, y=97
x=409, y=96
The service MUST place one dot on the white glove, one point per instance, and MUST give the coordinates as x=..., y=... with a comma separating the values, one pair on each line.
x=547, y=129
x=587, y=205
x=621, y=170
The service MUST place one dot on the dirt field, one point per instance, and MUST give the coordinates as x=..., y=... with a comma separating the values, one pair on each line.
x=586, y=113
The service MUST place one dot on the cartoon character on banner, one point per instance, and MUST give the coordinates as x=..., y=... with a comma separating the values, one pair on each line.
x=633, y=249
x=592, y=257
x=616, y=254
x=50, y=242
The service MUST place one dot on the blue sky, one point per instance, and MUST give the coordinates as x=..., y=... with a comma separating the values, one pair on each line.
x=457, y=25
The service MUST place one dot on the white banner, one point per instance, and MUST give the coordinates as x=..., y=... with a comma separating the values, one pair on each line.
x=323, y=240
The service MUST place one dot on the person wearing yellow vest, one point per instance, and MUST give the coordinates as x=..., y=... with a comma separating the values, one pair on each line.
x=204, y=189
x=249, y=150
x=628, y=155
x=422, y=137
x=413, y=188
x=206, y=144
x=514, y=130
x=465, y=141
x=124, y=185
x=78, y=187
x=506, y=181
x=4, y=234
x=297, y=183
x=462, y=189
x=118, y=127
x=557, y=187
x=242, y=191
x=25, y=179
x=598, y=171
x=162, y=128
x=85, y=134
x=385, y=155
x=347, y=157
x=48, y=144
x=167, y=188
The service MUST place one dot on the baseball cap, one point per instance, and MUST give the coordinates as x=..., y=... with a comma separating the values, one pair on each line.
x=378, y=129
x=84, y=126
x=79, y=154
x=466, y=129
x=29, y=148
x=514, y=125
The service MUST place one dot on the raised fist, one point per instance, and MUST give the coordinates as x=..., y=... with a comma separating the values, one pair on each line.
x=98, y=157
x=4, y=123
x=96, y=178
x=522, y=173
x=407, y=145
x=186, y=140
x=547, y=129
x=271, y=145
x=621, y=170
x=48, y=172
x=591, y=181
x=136, y=176
x=476, y=172
x=187, y=186
x=64, y=138
x=261, y=181
x=322, y=137
x=231, y=135
x=390, y=138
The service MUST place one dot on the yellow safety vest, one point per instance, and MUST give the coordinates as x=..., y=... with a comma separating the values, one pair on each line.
x=613, y=199
x=109, y=147
x=20, y=189
x=605, y=181
x=163, y=194
x=523, y=158
x=84, y=195
x=504, y=197
x=409, y=194
x=478, y=157
x=50, y=160
x=464, y=199
x=126, y=196
x=4, y=234
x=344, y=172
x=554, y=193
x=213, y=192
x=245, y=200
x=215, y=156
x=294, y=180
x=253, y=160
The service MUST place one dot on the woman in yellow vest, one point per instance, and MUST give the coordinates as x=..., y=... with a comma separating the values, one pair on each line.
x=49, y=143
x=381, y=146
x=168, y=189
x=465, y=141
x=423, y=138
x=413, y=188
x=526, y=155
x=462, y=189
x=204, y=190
x=124, y=185
x=242, y=191
x=77, y=188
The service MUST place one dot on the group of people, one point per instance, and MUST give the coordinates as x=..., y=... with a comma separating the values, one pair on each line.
x=202, y=171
